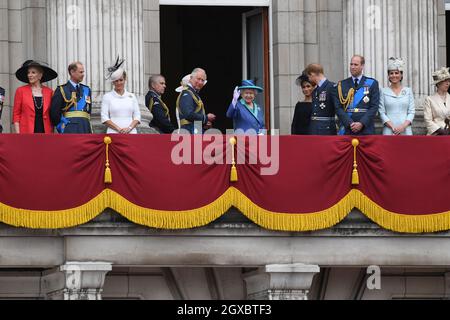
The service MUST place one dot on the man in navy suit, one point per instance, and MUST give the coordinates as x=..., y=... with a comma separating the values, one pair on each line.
x=71, y=104
x=357, y=101
x=323, y=118
x=193, y=117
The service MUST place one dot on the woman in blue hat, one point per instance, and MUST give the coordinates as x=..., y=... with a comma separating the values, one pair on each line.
x=246, y=114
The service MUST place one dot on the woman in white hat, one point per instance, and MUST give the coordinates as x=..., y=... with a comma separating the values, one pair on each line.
x=437, y=106
x=397, y=105
x=120, y=108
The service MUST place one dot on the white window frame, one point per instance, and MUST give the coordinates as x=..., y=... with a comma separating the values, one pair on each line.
x=240, y=3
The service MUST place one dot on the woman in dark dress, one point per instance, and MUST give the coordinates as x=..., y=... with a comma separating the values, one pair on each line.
x=303, y=110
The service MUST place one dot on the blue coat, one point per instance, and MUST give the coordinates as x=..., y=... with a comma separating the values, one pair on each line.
x=323, y=118
x=161, y=115
x=245, y=120
x=59, y=106
x=365, y=112
x=192, y=113
x=397, y=109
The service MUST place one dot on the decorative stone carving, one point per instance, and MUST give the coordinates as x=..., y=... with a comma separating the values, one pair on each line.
x=281, y=282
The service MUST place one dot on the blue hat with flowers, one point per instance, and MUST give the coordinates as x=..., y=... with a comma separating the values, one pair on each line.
x=249, y=84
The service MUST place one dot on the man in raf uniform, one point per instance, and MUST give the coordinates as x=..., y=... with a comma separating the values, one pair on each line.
x=193, y=117
x=2, y=100
x=153, y=100
x=323, y=118
x=71, y=104
x=357, y=101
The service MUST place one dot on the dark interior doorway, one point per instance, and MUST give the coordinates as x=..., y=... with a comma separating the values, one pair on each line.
x=447, y=15
x=206, y=37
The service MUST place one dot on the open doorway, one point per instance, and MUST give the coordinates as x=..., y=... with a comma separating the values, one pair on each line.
x=447, y=15
x=212, y=38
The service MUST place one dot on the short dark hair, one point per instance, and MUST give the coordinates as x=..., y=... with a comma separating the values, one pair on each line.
x=363, y=60
x=74, y=66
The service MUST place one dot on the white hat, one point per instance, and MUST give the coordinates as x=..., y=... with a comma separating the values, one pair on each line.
x=115, y=72
x=185, y=82
x=116, y=75
x=441, y=75
x=396, y=64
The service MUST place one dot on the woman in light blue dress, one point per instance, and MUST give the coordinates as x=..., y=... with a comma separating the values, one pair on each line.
x=397, y=105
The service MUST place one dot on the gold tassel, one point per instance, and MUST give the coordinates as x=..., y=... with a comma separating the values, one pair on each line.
x=234, y=173
x=108, y=173
x=355, y=175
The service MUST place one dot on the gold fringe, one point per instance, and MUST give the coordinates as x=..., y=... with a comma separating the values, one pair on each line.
x=401, y=223
x=63, y=219
x=174, y=220
x=293, y=222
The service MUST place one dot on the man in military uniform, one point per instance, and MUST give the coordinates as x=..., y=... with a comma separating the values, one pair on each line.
x=161, y=114
x=71, y=104
x=323, y=118
x=193, y=117
x=357, y=101
x=2, y=100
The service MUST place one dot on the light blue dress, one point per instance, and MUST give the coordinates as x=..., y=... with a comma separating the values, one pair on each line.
x=397, y=109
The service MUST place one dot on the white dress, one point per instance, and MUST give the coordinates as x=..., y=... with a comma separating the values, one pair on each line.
x=122, y=110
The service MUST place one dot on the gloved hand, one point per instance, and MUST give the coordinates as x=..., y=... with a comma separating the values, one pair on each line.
x=236, y=96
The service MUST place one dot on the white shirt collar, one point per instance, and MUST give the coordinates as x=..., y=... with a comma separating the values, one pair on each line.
x=125, y=94
x=322, y=82
x=73, y=83
x=359, y=78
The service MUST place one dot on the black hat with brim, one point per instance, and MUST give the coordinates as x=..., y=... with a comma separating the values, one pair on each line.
x=49, y=73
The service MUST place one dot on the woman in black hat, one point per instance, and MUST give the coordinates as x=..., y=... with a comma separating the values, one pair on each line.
x=32, y=102
x=303, y=110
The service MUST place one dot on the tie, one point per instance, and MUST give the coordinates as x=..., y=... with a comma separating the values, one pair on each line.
x=79, y=93
x=356, y=83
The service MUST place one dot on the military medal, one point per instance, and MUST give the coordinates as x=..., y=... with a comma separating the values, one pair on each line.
x=323, y=96
x=366, y=90
x=366, y=93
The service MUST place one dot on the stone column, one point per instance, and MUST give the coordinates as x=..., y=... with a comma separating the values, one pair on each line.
x=380, y=29
x=95, y=32
x=281, y=282
x=22, y=36
x=77, y=281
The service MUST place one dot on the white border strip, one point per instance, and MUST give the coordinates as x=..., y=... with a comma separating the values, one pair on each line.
x=447, y=7
x=234, y=3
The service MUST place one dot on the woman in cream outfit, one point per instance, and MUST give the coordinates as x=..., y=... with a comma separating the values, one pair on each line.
x=397, y=106
x=120, y=109
x=437, y=106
